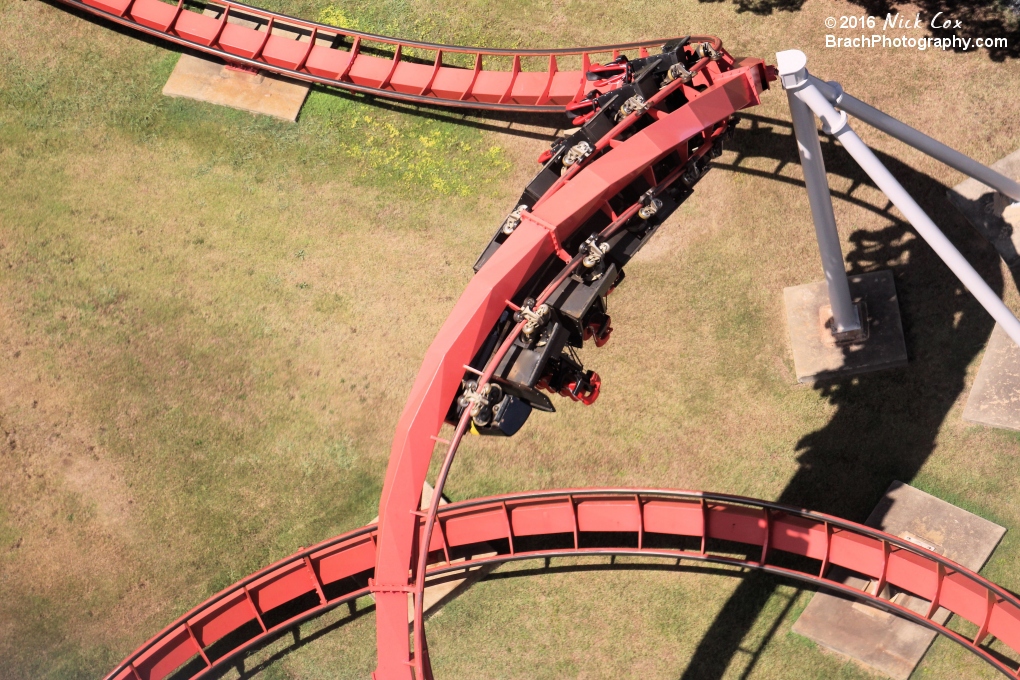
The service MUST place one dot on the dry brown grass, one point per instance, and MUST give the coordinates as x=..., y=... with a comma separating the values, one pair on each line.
x=207, y=400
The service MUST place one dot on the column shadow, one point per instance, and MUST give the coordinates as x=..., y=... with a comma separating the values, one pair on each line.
x=885, y=424
x=540, y=126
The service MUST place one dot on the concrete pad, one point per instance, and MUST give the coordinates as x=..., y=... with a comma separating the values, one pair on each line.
x=210, y=81
x=817, y=356
x=994, y=400
x=989, y=212
x=451, y=585
x=886, y=643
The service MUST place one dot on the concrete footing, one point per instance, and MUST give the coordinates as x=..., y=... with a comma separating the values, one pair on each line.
x=884, y=642
x=256, y=92
x=208, y=80
x=994, y=399
x=817, y=354
x=990, y=213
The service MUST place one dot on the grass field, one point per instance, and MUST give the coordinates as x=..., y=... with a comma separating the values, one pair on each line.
x=209, y=323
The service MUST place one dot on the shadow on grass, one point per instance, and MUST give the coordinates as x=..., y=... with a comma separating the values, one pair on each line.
x=237, y=664
x=542, y=126
x=885, y=424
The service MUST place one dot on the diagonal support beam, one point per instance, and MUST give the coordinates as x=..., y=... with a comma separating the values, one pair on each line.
x=917, y=139
x=844, y=313
x=797, y=83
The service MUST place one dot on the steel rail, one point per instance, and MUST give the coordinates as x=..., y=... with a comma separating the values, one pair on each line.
x=734, y=85
x=418, y=90
x=421, y=660
x=833, y=586
x=607, y=138
x=758, y=524
x=224, y=594
x=732, y=499
x=496, y=51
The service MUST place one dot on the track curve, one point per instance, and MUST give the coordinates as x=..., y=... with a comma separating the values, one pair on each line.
x=652, y=523
x=649, y=155
x=362, y=62
x=647, y=128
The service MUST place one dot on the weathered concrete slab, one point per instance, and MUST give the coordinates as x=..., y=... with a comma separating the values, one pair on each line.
x=451, y=585
x=990, y=213
x=816, y=356
x=994, y=399
x=886, y=643
x=208, y=80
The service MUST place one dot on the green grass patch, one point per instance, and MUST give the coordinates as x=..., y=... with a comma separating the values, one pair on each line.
x=210, y=323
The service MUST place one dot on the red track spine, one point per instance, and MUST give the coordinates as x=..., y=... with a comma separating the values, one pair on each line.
x=562, y=210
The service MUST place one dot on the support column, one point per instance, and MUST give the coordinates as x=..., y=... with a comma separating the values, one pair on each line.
x=911, y=210
x=990, y=201
x=793, y=75
x=842, y=325
x=894, y=128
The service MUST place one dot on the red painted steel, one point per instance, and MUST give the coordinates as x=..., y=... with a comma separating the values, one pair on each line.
x=724, y=86
x=368, y=63
x=379, y=560
x=420, y=660
x=762, y=527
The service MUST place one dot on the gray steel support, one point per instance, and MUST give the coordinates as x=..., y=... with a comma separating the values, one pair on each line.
x=917, y=139
x=836, y=123
x=844, y=312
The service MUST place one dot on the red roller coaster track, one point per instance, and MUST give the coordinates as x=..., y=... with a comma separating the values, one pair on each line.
x=641, y=522
x=362, y=62
x=648, y=126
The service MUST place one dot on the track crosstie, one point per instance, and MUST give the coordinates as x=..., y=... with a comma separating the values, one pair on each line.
x=408, y=70
x=653, y=523
x=649, y=118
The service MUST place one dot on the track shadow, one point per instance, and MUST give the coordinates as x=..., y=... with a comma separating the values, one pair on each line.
x=243, y=671
x=543, y=126
x=885, y=424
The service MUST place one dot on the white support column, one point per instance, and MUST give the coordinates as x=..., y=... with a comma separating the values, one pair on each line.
x=836, y=122
x=793, y=75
